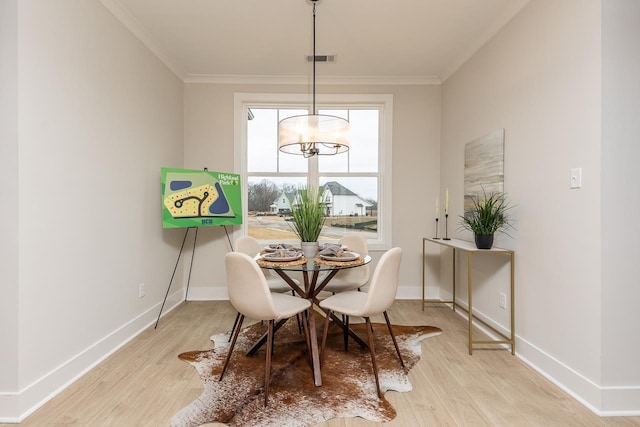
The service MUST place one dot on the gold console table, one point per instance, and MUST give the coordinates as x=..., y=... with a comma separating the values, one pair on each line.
x=470, y=249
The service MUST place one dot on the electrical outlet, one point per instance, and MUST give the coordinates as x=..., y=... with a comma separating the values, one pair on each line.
x=503, y=301
x=141, y=290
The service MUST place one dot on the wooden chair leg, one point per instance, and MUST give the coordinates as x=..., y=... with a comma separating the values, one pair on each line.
x=373, y=355
x=267, y=370
x=345, y=332
x=325, y=332
x=233, y=328
x=233, y=343
x=307, y=336
x=298, y=316
x=395, y=343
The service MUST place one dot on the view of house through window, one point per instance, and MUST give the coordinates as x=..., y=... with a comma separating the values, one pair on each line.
x=349, y=182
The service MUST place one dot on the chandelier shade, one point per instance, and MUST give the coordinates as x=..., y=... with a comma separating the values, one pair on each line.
x=313, y=134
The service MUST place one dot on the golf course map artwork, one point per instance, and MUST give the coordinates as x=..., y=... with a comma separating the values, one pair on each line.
x=196, y=198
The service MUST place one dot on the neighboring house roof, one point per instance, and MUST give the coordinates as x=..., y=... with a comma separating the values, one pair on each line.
x=334, y=187
x=282, y=201
x=337, y=189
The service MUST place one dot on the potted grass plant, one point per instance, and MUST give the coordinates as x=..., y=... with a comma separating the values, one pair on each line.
x=308, y=211
x=487, y=215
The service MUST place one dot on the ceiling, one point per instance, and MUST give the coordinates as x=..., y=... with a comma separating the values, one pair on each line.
x=385, y=40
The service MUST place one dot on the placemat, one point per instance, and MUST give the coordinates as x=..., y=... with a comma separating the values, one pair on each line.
x=357, y=261
x=264, y=263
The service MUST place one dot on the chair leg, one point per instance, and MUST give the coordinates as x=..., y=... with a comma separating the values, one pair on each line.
x=307, y=335
x=267, y=369
x=395, y=343
x=373, y=355
x=233, y=328
x=345, y=332
x=299, y=319
x=233, y=343
x=325, y=332
x=298, y=316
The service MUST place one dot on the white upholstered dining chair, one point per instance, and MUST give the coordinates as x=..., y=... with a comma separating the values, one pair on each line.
x=351, y=278
x=250, y=295
x=378, y=298
x=250, y=246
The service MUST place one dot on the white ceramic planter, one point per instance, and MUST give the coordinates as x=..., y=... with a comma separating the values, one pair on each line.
x=309, y=249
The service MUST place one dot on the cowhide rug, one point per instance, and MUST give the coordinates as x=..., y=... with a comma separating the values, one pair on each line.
x=348, y=385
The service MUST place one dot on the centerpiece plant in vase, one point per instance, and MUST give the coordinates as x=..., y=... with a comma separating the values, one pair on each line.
x=487, y=216
x=308, y=211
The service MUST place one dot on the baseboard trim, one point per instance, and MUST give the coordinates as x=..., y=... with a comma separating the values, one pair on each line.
x=16, y=406
x=606, y=401
x=566, y=378
x=208, y=293
x=409, y=292
x=9, y=404
x=620, y=401
x=603, y=401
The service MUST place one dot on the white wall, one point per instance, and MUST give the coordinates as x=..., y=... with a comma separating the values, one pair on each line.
x=9, y=193
x=540, y=80
x=98, y=116
x=209, y=136
x=620, y=203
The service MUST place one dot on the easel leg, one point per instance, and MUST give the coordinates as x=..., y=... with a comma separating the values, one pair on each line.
x=193, y=253
x=228, y=238
x=174, y=273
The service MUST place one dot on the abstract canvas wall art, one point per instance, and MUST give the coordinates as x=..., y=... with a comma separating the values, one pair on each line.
x=483, y=166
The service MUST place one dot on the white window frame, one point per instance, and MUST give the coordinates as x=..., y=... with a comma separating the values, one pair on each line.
x=244, y=101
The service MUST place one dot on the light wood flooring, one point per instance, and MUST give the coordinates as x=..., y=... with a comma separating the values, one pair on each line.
x=144, y=383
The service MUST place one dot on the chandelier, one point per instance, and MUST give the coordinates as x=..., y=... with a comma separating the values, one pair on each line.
x=313, y=134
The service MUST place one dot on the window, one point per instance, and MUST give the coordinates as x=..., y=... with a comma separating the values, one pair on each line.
x=355, y=185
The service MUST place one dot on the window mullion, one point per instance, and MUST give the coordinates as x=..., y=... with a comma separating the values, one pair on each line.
x=314, y=176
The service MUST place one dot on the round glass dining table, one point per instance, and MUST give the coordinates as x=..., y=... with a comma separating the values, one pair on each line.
x=316, y=274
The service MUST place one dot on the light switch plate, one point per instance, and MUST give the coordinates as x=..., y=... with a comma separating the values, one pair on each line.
x=576, y=178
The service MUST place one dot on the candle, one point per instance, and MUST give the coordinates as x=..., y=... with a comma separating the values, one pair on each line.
x=437, y=207
x=446, y=202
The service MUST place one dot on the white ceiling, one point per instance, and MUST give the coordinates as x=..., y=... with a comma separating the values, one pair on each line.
x=411, y=40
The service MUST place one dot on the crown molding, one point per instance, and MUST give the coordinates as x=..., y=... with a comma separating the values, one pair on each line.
x=306, y=80
x=137, y=29
x=140, y=31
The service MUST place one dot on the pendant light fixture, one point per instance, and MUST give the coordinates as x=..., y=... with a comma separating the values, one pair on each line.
x=313, y=134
